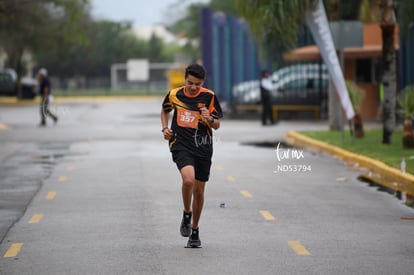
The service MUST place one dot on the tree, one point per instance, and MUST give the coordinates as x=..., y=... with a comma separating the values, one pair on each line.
x=388, y=22
x=27, y=26
x=62, y=36
x=275, y=21
x=108, y=42
x=155, y=49
x=189, y=25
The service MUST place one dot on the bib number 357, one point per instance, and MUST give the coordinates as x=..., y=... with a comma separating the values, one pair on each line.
x=187, y=118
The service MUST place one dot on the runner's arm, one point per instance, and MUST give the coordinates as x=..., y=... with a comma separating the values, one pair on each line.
x=216, y=124
x=213, y=122
x=167, y=132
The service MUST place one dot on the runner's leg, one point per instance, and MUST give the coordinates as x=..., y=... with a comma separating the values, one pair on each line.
x=42, y=112
x=198, y=201
x=188, y=177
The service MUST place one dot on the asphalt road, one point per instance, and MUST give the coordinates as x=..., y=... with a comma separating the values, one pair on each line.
x=98, y=194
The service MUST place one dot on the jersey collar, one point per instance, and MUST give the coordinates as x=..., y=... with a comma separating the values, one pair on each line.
x=190, y=95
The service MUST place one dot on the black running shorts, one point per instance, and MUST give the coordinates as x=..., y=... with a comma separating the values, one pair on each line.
x=201, y=165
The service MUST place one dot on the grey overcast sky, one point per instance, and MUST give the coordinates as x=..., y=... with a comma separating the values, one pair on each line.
x=141, y=12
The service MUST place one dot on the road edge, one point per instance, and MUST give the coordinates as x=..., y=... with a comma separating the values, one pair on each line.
x=386, y=176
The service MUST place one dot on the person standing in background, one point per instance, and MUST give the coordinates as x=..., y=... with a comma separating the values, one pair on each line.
x=45, y=92
x=266, y=87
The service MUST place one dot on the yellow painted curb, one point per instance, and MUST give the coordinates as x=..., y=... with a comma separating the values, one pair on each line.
x=76, y=99
x=405, y=182
x=102, y=99
x=16, y=101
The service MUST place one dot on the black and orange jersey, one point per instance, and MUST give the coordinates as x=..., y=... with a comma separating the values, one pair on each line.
x=190, y=131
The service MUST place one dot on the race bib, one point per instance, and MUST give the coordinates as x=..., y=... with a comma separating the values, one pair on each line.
x=187, y=118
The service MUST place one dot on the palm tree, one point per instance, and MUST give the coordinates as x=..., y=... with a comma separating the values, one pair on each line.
x=388, y=23
x=275, y=22
x=389, y=82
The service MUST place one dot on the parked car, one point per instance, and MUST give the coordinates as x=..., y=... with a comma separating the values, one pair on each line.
x=9, y=86
x=298, y=69
x=8, y=82
x=294, y=85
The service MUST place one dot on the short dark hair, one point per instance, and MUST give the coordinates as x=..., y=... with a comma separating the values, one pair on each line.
x=195, y=70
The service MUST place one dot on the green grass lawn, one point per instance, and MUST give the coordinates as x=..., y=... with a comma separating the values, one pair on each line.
x=370, y=146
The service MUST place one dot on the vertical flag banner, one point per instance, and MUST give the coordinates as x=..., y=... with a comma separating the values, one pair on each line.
x=318, y=24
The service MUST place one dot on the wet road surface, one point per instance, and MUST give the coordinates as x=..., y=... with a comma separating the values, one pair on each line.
x=98, y=194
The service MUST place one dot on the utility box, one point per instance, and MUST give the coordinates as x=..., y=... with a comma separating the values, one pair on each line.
x=347, y=34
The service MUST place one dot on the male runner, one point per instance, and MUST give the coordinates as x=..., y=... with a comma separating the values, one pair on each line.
x=196, y=113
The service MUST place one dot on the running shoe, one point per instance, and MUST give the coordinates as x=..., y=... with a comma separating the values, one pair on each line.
x=185, y=227
x=194, y=239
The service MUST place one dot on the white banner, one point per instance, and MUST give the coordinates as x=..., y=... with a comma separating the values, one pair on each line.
x=318, y=24
x=138, y=70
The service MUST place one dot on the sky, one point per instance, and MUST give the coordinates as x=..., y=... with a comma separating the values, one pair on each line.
x=141, y=12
